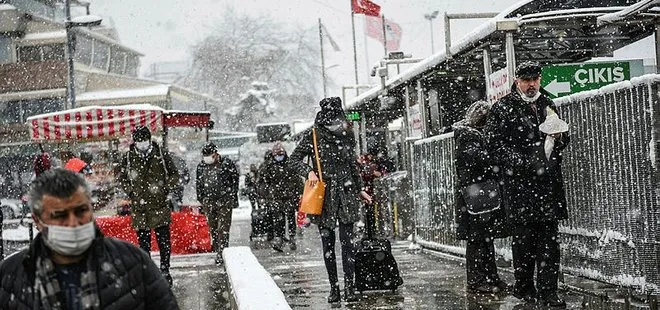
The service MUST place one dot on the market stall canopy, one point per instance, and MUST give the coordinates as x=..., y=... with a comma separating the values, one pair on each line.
x=94, y=123
x=200, y=119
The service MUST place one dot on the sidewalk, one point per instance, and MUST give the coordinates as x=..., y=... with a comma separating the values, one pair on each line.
x=431, y=280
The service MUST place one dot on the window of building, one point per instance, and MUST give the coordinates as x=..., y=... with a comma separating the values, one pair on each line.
x=29, y=53
x=41, y=106
x=10, y=112
x=53, y=51
x=5, y=50
x=101, y=55
x=132, y=63
x=83, y=53
x=117, y=61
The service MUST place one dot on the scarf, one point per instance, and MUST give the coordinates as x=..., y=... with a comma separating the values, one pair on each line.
x=529, y=99
x=47, y=286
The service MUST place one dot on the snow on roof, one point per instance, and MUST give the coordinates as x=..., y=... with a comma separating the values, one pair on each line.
x=272, y=124
x=249, y=279
x=58, y=34
x=149, y=91
x=141, y=107
x=637, y=7
x=7, y=7
x=186, y=112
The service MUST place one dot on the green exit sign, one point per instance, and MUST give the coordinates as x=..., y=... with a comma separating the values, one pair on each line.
x=562, y=80
x=353, y=116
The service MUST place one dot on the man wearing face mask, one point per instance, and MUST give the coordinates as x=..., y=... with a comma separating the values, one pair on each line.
x=217, y=190
x=70, y=264
x=282, y=188
x=148, y=176
x=532, y=183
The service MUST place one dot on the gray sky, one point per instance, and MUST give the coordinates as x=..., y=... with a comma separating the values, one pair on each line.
x=165, y=30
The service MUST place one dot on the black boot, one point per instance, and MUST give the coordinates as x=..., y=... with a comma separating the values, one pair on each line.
x=335, y=295
x=349, y=291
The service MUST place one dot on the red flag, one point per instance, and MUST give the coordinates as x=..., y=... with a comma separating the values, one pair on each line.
x=365, y=7
x=393, y=32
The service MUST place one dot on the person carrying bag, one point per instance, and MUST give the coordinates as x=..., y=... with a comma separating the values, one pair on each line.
x=314, y=193
x=480, y=216
x=333, y=144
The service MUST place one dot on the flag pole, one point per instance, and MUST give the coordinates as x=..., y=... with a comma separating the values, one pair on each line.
x=384, y=36
x=325, y=89
x=355, y=64
x=366, y=46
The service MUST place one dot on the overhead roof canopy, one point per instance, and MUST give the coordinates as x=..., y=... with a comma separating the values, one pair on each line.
x=549, y=31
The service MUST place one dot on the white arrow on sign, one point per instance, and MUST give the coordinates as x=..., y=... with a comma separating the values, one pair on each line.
x=555, y=88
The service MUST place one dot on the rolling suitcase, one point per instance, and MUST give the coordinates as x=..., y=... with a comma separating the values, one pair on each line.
x=375, y=266
x=260, y=222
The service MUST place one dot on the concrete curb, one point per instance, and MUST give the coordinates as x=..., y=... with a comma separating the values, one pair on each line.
x=252, y=286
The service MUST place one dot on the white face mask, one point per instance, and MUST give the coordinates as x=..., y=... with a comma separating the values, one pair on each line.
x=334, y=127
x=208, y=160
x=279, y=157
x=143, y=145
x=69, y=241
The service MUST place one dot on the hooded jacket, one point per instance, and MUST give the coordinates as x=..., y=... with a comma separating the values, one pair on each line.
x=217, y=181
x=148, y=180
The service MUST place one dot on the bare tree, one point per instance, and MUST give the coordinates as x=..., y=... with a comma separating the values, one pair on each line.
x=244, y=49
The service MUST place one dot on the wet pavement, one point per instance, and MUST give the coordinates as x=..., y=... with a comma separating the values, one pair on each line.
x=431, y=280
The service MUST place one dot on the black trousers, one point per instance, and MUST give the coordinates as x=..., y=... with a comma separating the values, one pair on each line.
x=480, y=262
x=163, y=238
x=347, y=252
x=535, y=245
x=283, y=214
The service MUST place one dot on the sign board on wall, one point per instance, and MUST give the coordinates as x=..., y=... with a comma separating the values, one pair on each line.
x=415, y=121
x=566, y=79
x=499, y=85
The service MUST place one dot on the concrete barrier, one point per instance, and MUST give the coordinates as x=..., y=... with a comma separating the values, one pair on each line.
x=252, y=286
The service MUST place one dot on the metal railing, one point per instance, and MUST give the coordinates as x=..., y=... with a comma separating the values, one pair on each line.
x=612, y=180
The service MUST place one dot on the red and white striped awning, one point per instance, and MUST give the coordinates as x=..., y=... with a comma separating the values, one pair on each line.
x=94, y=123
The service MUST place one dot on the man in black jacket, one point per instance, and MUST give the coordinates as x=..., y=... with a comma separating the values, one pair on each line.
x=70, y=264
x=281, y=187
x=217, y=190
x=533, y=185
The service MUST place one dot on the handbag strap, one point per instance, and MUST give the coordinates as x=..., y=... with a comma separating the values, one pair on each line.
x=316, y=154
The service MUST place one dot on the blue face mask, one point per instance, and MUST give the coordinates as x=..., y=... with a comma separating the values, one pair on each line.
x=279, y=157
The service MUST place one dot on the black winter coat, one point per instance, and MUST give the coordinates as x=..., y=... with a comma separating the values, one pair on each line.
x=533, y=185
x=134, y=283
x=474, y=165
x=217, y=181
x=278, y=181
x=340, y=173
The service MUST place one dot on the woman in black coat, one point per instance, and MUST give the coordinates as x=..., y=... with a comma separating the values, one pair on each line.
x=479, y=220
x=336, y=145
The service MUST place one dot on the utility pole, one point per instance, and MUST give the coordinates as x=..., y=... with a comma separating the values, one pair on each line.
x=430, y=17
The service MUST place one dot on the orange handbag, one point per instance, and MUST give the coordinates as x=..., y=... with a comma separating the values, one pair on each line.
x=314, y=195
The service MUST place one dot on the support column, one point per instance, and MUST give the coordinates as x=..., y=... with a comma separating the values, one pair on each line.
x=487, y=69
x=422, y=108
x=657, y=48
x=510, y=57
